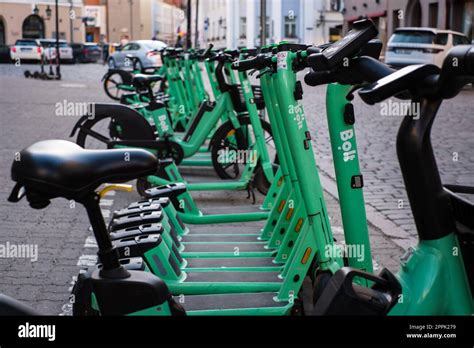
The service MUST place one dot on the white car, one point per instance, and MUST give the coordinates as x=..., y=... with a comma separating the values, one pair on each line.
x=65, y=51
x=421, y=46
x=147, y=52
x=26, y=49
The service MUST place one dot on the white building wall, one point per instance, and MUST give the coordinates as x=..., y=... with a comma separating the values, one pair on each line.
x=314, y=19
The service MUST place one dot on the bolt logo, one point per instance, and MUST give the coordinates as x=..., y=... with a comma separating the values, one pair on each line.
x=163, y=123
x=348, y=153
x=246, y=87
x=297, y=111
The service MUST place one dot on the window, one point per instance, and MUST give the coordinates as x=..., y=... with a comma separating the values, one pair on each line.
x=335, y=5
x=243, y=27
x=396, y=19
x=335, y=34
x=441, y=39
x=290, y=27
x=413, y=36
x=267, y=27
x=224, y=28
x=127, y=47
x=433, y=15
x=460, y=40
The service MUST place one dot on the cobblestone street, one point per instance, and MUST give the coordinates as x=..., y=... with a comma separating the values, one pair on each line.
x=61, y=231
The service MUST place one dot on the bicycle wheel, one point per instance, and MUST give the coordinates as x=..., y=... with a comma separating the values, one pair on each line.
x=112, y=85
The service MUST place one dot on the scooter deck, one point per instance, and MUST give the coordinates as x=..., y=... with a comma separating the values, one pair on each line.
x=225, y=282
x=207, y=247
x=193, y=263
x=233, y=277
x=238, y=209
x=234, y=304
x=220, y=229
x=226, y=238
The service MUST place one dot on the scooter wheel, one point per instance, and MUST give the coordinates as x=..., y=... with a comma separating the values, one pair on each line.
x=36, y=75
x=81, y=299
x=170, y=149
x=27, y=74
x=142, y=186
x=227, y=139
x=260, y=180
x=319, y=284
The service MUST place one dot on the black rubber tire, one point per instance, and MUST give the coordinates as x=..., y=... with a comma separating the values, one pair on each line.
x=219, y=141
x=115, y=79
x=260, y=181
x=320, y=282
x=142, y=186
x=89, y=124
x=82, y=299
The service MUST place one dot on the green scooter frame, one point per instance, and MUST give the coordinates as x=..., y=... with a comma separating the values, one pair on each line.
x=299, y=261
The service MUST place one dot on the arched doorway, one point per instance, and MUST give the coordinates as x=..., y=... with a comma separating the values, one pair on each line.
x=413, y=13
x=3, y=39
x=33, y=27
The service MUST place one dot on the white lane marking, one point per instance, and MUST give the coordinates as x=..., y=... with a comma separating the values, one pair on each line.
x=110, y=193
x=105, y=213
x=73, y=85
x=87, y=260
x=90, y=242
x=106, y=202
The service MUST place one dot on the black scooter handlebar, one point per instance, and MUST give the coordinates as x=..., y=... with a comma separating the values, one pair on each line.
x=259, y=62
x=360, y=69
x=426, y=80
x=207, y=53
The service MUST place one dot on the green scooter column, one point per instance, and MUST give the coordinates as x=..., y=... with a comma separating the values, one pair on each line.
x=280, y=201
x=293, y=214
x=305, y=164
x=349, y=179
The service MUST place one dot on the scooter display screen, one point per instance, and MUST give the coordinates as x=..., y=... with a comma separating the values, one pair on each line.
x=348, y=46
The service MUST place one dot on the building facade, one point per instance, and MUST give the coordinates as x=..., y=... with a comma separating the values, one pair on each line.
x=144, y=19
x=236, y=23
x=388, y=15
x=95, y=21
x=36, y=19
x=169, y=19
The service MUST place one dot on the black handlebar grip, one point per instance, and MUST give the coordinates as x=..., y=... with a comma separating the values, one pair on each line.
x=207, y=53
x=317, y=78
x=216, y=57
x=458, y=62
x=470, y=61
x=246, y=64
x=405, y=79
x=370, y=68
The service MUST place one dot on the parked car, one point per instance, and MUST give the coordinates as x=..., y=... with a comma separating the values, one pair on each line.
x=5, y=54
x=421, y=45
x=65, y=51
x=147, y=52
x=88, y=52
x=26, y=49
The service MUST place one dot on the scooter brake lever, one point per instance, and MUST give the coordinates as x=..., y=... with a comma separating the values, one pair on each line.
x=265, y=71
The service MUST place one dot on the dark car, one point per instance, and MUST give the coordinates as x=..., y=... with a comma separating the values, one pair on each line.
x=88, y=52
x=5, y=54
